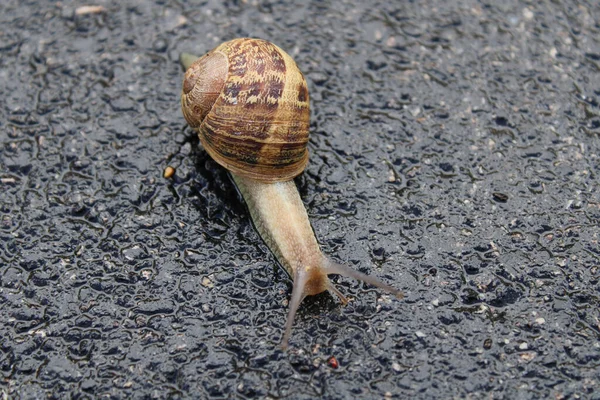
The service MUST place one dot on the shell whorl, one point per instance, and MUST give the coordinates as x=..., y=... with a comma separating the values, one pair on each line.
x=250, y=104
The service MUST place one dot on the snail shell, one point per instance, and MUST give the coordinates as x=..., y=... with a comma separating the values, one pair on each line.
x=249, y=102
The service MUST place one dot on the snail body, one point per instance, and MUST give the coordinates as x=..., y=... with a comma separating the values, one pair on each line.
x=249, y=103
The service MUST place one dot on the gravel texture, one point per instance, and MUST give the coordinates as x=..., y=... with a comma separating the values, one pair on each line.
x=455, y=153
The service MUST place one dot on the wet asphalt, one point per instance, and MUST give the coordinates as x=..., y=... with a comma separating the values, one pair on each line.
x=455, y=149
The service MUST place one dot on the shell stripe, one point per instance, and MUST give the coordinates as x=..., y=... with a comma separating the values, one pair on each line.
x=258, y=126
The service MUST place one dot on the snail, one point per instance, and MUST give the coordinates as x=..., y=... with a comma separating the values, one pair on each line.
x=249, y=103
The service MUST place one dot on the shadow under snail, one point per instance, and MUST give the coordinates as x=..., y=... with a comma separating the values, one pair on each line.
x=249, y=103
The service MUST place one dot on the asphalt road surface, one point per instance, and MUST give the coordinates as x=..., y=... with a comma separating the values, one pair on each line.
x=454, y=153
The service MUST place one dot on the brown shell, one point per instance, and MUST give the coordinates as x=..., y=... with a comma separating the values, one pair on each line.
x=249, y=102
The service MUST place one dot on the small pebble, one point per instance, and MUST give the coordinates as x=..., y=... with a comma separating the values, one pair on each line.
x=523, y=346
x=391, y=176
x=160, y=45
x=318, y=78
x=500, y=197
x=83, y=10
x=169, y=172
x=333, y=362
x=527, y=356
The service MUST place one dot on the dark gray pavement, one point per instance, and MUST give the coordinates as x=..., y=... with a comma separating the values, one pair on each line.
x=455, y=153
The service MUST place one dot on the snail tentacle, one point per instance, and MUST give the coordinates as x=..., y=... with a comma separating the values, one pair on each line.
x=332, y=268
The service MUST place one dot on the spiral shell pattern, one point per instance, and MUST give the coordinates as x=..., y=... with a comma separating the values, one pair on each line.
x=250, y=104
